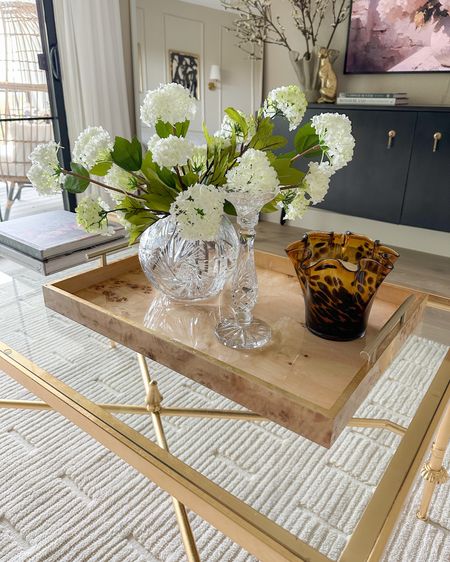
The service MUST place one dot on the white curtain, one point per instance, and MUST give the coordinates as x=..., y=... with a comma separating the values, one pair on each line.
x=91, y=47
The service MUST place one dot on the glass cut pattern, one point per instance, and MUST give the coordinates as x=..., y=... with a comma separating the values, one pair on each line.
x=183, y=269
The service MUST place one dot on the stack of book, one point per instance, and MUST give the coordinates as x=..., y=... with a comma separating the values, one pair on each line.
x=52, y=241
x=372, y=99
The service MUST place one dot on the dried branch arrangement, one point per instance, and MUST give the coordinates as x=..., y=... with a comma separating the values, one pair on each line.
x=255, y=25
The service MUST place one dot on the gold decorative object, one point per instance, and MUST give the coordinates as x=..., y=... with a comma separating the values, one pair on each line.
x=433, y=471
x=433, y=475
x=327, y=76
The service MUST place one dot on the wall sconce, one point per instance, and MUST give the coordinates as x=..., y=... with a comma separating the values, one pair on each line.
x=214, y=77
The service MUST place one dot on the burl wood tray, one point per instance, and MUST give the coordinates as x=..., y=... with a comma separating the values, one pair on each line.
x=307, y=384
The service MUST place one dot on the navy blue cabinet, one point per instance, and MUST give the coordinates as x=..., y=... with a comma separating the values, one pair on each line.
x=395, y=176
x=427, y=197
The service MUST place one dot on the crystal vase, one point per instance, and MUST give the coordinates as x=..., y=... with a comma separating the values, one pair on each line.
x=187, y=270
x=242, y=331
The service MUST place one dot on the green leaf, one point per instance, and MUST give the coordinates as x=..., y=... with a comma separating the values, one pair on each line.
x=77, y=184
x=275, y=142
x=163, y=130
x=239, y=119
x=157, y=202
x=131, y=205
x=156, y=184
x=166, y=176
x=272, y=206
x=190, y=178
x=229, y=209
x=263, y=134
x=126, y=154
x=305, y=139
x=287, y=175
x=101, y=169
x=137, y=230
x=182, y=128
x=208, y=137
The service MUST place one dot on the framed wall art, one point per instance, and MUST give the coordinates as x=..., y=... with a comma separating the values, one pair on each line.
x=398, y=36
x=184, y=69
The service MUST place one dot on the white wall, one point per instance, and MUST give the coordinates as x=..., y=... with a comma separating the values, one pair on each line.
x=162, y=25
x=426, y=89
x=423, y=89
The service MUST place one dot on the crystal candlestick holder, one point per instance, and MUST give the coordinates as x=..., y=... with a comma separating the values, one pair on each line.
x=242, y=331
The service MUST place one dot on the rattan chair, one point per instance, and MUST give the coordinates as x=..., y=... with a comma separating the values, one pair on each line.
x=23, y=95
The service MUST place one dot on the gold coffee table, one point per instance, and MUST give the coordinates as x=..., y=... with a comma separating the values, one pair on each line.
x=308, y=385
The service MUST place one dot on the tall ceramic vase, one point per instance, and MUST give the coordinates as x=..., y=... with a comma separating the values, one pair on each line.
x=242, y=330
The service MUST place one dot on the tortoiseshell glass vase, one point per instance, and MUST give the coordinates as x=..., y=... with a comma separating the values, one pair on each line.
x=340, y=275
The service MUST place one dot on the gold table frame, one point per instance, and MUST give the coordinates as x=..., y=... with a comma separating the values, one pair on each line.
x=255, y=532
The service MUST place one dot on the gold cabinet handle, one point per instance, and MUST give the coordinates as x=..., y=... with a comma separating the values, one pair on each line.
x=437, y=137
x=391, y=136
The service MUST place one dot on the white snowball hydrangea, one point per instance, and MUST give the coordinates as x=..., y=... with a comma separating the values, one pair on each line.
x=229, y=126
x=198, y=212
x=290, y=101
x=171, y=151
x=152, y=142
x=298, y=206
x=253, y=174
x=170, y=103
x=219, y=142
x=44, y=173
x=46, y=154
x=93, y=145
x=335, y=133
x=90, y=216
x=199, y=158
x=317, y=181
x=120, y=179
x=45, y=180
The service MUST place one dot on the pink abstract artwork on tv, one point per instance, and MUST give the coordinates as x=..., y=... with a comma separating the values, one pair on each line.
x=399, y=36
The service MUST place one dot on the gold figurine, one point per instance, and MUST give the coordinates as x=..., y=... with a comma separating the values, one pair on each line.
x=327, y=76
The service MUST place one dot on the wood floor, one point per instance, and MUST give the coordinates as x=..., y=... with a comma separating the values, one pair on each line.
x=425, y=272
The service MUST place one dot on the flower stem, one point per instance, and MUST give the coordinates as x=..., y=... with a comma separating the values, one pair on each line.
x=101, y=184
x=179, y=177
x=312, y=149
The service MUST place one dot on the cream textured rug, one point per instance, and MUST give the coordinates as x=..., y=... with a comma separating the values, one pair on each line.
x=65, y=498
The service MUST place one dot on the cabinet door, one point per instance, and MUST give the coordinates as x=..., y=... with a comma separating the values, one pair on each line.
x=427, y=196
x=372, y=185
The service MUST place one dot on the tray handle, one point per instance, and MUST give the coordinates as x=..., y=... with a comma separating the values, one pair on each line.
x=398, y=317
x=102, y=254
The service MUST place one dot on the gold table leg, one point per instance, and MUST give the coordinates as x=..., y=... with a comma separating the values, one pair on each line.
x=433, y=471
x=153, y=400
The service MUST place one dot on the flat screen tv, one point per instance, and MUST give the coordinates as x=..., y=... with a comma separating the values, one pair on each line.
x=398, y=36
